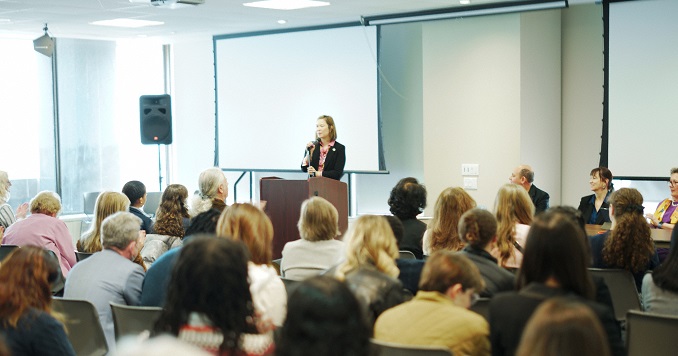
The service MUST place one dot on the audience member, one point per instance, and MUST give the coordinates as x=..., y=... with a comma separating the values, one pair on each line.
x=7, y=216
x=25, y=304
x=407, y=200
x=107, y=204
x=154, y=290
x=370, y=270
x=438, y=314
x=442, y=232
x=410, y=268
x=563, y=327
x=110, y=275
x=212, y=192
x=478, y=229
x=249, y=224
x=595, y=207
x=628, y=245
x=323, y=318
x=660, y=288
x=555, y=263
x=43, y=229
x=171, y=222
x=514, y=212
x=209, y=303
x=136, y=193
x=523, y=176
x=666, y=215
x=317, y=250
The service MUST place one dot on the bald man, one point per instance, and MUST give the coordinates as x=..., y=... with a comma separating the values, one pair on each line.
x=523, y=175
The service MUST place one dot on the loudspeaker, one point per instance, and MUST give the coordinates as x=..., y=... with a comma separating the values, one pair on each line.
x=155, y=119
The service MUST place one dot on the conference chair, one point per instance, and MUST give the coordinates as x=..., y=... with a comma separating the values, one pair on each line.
x=5, y=250
x=290, y=285
x=482, y=307
x=89, y=201
x=82, y=325
x=59, y=284
x=152, y=202
x=276, y=264
x=79, y=256
x=133, y=320
x=407, y=255
x=622, y=290
x=383, y=348
x=651, y=334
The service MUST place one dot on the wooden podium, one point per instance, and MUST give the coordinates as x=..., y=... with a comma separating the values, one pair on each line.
x=283, y=204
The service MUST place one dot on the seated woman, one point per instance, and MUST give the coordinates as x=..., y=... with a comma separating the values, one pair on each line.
x=407, y=200
x=209, y=303
x=249, y=224
x=666, y=215
x=478, y=229
x=442, y=233
x=595, y=207
x=628, y=245
x=171, y=222
x=7, y=216
x=323, y=319
x=317, y=250
x=660, y=288
x=514, y=211
x=563, y=327
x=555, y=263
x=370, y=269
x=25, y=304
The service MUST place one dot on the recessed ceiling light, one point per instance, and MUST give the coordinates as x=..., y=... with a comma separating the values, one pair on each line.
x=282, y=22
x=130, y=23
x=465, y=2
x=286, y=4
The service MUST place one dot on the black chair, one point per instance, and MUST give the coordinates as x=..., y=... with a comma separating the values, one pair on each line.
x=290, y=285
x=407, y=255
x=651, y=334
x=79, y=256
x=382, y=348
x=622, y=290
x=482, y=307
x=83, y=326
x=5, y=250
x=133, y=320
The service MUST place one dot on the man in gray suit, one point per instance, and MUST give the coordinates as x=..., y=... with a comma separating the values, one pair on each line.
x=110, y=275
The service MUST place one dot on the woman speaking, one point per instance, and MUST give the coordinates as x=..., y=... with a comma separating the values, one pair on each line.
x=326, y=156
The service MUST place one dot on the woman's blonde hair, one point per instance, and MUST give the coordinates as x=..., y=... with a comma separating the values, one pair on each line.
x=249, y=224
x=371, y=243
x=46, y=202
x=512, y=206
x=106, y=205
x=451, y=204
x=319, y=220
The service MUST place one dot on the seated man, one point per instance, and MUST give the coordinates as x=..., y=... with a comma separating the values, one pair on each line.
x=136, y=193
x=42, y=228
x=524, y=176
x=438, y=314
x=110, y=275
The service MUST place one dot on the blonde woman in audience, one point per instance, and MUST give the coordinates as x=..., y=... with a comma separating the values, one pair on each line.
x=26, y=319
x=170, y=225
x=107, y=204
x=7, y=216
x=563, y=327
x=370, y=269
x=249, y=224
x=514, y=211
x=442, y=232
x=317, y=250
x=212, y=192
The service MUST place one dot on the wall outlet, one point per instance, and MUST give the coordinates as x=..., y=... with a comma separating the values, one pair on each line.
x=470, y=183
x=470, y=169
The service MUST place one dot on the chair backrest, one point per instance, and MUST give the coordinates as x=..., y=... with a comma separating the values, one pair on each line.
x=59, y=284
x=79, y=256
x=89, y=200
x=482, y=307
x=622, y=290
x=131, y=320
x=82, y=325
x=407, y=255
x=382, y=348
x=651, y=334
x=5, y=250
x=152, y=202
x=290, y=285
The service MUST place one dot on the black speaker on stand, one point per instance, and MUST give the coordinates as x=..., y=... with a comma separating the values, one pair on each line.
x=155, y=120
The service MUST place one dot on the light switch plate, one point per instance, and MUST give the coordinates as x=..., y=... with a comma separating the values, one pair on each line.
x=470, y=169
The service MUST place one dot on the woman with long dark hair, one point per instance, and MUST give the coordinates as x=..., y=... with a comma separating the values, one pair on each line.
x=26, y=304
x=172, y=219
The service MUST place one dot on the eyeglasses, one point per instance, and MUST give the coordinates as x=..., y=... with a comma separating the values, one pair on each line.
x=673, y=183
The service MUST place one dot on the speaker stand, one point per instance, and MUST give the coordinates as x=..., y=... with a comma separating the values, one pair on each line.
x=159, y=170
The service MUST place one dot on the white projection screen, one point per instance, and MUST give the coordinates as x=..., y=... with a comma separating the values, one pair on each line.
x=643, y=87
x=272, y=87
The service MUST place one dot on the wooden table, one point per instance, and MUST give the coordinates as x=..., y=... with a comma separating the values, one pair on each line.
x=661, y=237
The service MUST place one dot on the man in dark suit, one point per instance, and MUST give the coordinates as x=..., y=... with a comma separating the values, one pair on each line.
x=136, y=193
x=523, y=175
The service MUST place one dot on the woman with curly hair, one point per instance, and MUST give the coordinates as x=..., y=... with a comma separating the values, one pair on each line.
x=442, y=233
x=370, y=269
x=407, y=200
x=172, y=219
x=514, y=211
x=26, y=319
x=628, y=245
x=106, y=205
